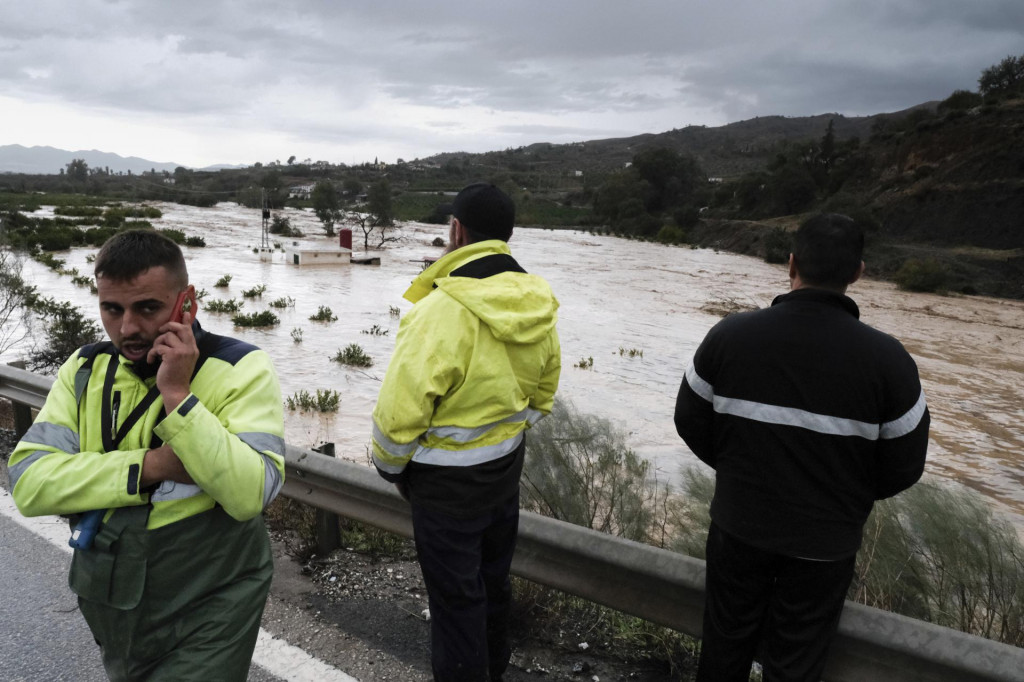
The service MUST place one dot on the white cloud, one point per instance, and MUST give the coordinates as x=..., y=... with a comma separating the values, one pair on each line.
x=226, y=81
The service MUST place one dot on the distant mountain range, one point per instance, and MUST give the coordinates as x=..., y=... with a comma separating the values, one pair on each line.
x=15, y=158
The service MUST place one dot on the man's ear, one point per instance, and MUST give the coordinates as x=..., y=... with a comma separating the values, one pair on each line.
x=792, y=267
x=459, y=236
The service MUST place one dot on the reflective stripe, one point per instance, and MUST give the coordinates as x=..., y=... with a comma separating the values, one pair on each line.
x=397, y=450
x=791, y=416
x=699, y=386
x=467, y=458
x=385, y=466
x=461, y=434
x=271, y=481
x=908, y=422
x=169, y=490
x=55, y=436
x=812, y=421
x=262, y=442
x=15, y=471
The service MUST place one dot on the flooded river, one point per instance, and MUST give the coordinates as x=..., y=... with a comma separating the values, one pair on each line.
x=616, y=296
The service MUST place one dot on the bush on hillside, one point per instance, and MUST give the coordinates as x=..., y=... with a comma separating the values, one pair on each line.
x=921, y=275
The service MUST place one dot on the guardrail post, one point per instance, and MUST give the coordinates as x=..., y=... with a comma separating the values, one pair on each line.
x=22, y=412
x=328, y=524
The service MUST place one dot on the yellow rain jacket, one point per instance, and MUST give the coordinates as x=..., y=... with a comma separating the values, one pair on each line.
x=229, y=434
x=173, y=560
x=476, y=362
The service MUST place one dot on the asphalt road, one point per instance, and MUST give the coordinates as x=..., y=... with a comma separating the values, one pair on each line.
x=43, y=637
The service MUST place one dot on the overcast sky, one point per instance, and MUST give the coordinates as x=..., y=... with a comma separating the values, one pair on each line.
x=212, y=81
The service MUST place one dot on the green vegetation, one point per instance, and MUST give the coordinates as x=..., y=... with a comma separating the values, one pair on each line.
x=631, y=352
x=353, y=355
x=282, y=225
x=223, y=282
x=255, y=292
x=323, y=401
x=296, y=334
x=394, y=311
x=177, y=236
x=921, y=275
x=585, y=363
x=261, y=319
x=936, y=552
x=283, y=302
x=65, y=330
x=216, y=305
x=375, y=330
x=323, y=314
x=327, y=205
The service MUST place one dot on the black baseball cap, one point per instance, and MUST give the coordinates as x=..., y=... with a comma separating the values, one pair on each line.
x=484, y=209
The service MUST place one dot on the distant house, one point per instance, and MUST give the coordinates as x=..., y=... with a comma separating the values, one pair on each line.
x=300, y=191
x=310, y=254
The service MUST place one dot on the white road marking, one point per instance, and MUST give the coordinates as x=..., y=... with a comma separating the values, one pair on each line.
x=273, y=654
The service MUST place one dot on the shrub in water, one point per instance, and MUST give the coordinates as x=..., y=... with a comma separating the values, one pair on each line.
x=255, y=292
x=260, y=319
x=217, y=305
x=353, y=355
x=323, y=314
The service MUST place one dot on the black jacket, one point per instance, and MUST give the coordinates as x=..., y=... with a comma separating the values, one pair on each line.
x=807, y=416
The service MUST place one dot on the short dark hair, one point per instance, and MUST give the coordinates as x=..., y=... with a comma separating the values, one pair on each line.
x=828, y=249
x=484, y=210
x=128, y=254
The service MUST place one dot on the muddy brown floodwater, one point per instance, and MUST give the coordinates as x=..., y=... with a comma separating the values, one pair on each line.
x=616, y=296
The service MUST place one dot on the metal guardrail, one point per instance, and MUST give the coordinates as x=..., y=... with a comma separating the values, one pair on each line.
x=654, y=584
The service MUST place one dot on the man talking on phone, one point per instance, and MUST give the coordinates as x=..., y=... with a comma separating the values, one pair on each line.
x=163, y=446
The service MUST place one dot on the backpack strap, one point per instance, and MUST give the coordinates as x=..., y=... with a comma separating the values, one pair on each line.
x=85, y=371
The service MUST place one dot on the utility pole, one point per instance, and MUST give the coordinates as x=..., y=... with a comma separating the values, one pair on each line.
x=265, y=242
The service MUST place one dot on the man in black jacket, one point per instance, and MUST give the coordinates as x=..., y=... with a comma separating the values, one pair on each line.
x=807, y=416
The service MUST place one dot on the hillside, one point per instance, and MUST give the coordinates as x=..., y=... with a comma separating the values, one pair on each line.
x=936, y=186
x=724, y=151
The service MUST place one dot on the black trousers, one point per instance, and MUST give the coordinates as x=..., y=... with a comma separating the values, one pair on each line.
x=465, y=564
x=791, y=606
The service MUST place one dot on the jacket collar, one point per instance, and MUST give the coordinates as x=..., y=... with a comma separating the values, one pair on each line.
x=824, y=296
x=424, y=282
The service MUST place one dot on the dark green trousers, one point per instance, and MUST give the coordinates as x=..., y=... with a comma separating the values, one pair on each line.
x=182, y=602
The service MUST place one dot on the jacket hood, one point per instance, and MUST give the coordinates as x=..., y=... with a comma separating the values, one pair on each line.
x=518, y=307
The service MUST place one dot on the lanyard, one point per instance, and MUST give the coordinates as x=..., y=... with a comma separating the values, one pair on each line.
x=112, y=434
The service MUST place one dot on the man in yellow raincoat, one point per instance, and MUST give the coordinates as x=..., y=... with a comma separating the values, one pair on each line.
x=174, y=437
x=476, y=362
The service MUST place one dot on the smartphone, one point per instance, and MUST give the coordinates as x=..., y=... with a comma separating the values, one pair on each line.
x=186, y=303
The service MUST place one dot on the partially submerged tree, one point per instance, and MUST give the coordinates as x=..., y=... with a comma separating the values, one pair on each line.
x=13, y=293
x=66, y=330
x=378, y=235
x=326, y=205
x=378, y=202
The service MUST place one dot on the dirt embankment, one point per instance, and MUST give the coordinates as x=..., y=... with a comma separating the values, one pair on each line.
x=970, y=270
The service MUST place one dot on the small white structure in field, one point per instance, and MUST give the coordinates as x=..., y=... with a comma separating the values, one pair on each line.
x=308, y=254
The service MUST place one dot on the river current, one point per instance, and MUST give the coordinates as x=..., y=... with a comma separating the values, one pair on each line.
x=616, y=296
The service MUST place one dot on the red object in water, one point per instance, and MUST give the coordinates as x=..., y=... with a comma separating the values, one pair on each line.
x=345, y=238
